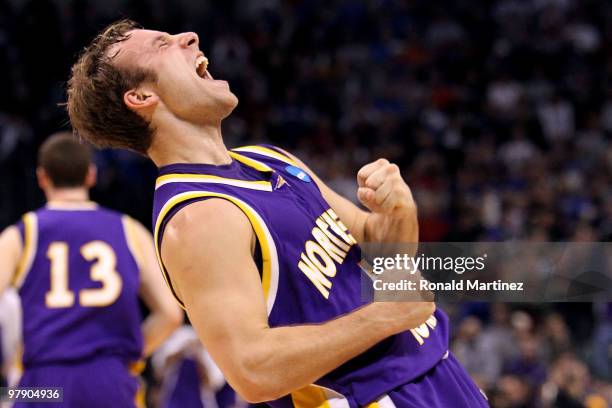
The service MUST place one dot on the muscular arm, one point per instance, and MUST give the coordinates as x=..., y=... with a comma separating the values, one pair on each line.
x=393, y=213
x=10, y=254
x=165, y=315
x=207, y=249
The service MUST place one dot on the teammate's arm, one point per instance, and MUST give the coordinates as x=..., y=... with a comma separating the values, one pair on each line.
x=165, y=315
x=213, y=272
x=393, y=212
x=10, y=254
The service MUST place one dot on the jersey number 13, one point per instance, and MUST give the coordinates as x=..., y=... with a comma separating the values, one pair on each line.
x=103, y=270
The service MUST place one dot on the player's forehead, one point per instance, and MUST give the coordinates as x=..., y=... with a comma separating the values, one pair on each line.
x=138, y=41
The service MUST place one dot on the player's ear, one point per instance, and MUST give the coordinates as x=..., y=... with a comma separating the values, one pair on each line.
x=43, y=180
x=92, y=176
x=140, y=99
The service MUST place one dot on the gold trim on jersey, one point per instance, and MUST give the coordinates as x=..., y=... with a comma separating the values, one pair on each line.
x=257, y=165
x=269, y=279
x=265, y=151
x=316, y=396
x=206, y=178
x=30, y=237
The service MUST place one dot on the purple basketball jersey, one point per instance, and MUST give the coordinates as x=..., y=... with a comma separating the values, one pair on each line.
x=78, y=283
x=308, y=262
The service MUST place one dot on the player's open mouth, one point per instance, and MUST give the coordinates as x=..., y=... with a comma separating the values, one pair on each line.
x=201, y=67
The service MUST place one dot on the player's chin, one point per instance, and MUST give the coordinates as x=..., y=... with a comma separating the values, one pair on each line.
x=226, y=102
x=229, y=99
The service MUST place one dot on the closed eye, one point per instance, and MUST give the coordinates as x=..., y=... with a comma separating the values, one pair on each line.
x=161, y=41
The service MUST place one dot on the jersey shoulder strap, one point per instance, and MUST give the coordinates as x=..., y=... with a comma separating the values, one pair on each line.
x=28, y=231
x=266, y=151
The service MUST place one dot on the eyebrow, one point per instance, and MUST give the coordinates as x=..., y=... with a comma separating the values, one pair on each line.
x=163, y=36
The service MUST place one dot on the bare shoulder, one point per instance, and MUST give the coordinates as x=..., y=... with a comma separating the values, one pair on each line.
x=11, y=249
x=10, y=239
x=211, y=218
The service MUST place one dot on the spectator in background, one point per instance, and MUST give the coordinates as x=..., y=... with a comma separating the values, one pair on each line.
x=568, y=382
x=557, y=119
x=528, y=365
x=602, y=342
x=511, y=392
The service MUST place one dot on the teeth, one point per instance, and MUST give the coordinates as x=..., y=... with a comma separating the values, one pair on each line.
x=201, y=65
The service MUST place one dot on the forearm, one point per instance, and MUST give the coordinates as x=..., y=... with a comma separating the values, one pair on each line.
x=284, y=359
x=155, y=330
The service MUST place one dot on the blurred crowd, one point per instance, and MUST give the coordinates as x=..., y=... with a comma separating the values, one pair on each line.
x=499, y=113
x=526, y=356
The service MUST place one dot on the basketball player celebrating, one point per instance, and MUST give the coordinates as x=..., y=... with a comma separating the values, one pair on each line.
x=261, y=254
x=79, y=269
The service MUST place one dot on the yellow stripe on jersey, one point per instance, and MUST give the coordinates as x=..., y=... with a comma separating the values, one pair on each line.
x=269, y=280
x=29, y=248
x=265, y=151
x=140, y=400
x=250, y=162
x=310, y=396
x=137, y=367
x=205, y=178
x=315, y=396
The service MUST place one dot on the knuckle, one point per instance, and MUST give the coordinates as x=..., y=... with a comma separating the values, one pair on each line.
x=393, y=168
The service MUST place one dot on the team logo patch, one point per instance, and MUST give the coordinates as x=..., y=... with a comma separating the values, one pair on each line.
x=298, y=173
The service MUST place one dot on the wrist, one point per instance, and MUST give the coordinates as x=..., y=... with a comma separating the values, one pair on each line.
x=378, y=319
x=405, y=212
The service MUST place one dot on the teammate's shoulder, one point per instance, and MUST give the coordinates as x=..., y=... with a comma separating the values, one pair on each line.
x=27, y=217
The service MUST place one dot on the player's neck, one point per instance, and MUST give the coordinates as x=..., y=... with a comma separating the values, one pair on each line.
x=67, y=195
x=183, y=142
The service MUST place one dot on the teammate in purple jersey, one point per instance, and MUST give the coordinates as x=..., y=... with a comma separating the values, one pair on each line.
x=257, y=249
x=79, y=270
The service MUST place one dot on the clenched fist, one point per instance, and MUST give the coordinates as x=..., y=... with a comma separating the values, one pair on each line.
x=382, y=189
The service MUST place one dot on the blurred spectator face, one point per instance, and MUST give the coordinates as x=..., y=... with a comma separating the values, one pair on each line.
x=512, y=392
x=183, y=86
x=499, y=313
x=469, y=329
x=521, y=323
x=555, y=326
x=528, y=347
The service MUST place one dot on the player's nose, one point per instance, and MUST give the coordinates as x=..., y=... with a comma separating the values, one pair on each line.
x=189, y=39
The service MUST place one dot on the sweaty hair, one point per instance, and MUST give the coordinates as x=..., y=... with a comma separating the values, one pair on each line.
x=65, y=160
x=95, y=94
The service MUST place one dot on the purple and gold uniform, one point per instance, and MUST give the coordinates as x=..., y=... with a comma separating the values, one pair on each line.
x=79, y=281
x=308, y=262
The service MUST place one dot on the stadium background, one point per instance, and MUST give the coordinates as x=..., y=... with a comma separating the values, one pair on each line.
x=498, y=112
